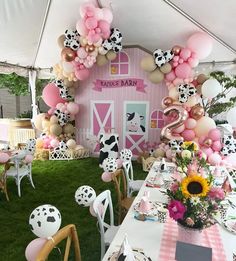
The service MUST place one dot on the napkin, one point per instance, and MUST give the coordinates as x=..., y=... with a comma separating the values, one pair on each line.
x=145, y=205
x=125, y=253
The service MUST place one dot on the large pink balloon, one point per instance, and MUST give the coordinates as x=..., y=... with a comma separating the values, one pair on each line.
x=201, y=44
x=190, y=123
x=33, y=248
x=73, y=108
x=4, y=157
x=51, y=95
x=82, y=74
x=183, y=71
x=188, y=135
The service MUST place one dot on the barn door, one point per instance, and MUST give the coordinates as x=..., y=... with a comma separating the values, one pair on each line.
x=135, y=125
x=102, y=118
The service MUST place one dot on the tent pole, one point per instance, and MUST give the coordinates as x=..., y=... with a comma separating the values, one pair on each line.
x=202, y=27
x=42, y=31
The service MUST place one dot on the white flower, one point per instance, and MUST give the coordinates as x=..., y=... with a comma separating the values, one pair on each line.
x=195, y=200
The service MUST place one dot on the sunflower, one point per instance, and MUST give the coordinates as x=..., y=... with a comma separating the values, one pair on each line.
x=187, y=144
x=194, y=186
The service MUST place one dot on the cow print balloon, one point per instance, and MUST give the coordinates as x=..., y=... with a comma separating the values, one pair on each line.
x=109, y=165
x=126, y=155
x=85, y=195
x=45, y=221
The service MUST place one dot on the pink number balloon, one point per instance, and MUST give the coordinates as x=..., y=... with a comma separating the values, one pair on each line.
x=166, y=132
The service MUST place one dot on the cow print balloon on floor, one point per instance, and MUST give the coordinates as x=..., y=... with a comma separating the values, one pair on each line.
x=85, y=195
x=45, y=221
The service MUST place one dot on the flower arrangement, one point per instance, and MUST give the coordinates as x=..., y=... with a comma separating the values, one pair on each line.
x=194, y=201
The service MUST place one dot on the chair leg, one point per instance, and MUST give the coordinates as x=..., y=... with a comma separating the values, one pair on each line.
x=102, y=249
x=31, y=181
x=18, y=187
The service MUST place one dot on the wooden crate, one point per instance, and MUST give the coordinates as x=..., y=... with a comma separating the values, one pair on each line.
x=41, y=154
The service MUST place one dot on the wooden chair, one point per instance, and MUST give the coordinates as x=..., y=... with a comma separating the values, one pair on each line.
x=3, y=179
x=68, y=232
x=124, y=202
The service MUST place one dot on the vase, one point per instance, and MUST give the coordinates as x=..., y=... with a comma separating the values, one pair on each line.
x=189, y=235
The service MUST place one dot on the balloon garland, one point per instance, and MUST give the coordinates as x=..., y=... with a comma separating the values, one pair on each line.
x=92, y=42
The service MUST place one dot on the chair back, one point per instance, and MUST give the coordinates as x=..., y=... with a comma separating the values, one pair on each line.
x=101, y=205
x=68, y=232
x=129, y=173
x=120, y=182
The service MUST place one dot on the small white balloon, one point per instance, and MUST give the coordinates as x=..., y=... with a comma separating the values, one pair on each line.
x=211, y=88
x=85, y=195
x=109, y=164
x=231, y=117
x=45, y=221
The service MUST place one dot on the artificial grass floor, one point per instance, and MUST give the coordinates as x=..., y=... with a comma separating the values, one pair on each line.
x=56, y=183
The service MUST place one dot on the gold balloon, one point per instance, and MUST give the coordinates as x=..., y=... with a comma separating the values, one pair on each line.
x=101, y=60
x=167, y=101
x=56, y=129
x=68, y=83
x=201, y=78
x=176, y=49
x=197, y=111
x=89, y=48
x=166, y=132
x=199, y=89
x=53, y=119
x=156, y=76
x=67, y=54
x=208, y=142
x=148, y=64
x=60, y=40
x=68, y=128
x=111, y=55
x=166, y=68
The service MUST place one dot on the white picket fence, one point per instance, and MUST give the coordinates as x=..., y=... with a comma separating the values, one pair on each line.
x=86, y=139
x=20, y=135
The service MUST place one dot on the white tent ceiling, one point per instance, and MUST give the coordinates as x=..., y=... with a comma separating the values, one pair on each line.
x=29, y=28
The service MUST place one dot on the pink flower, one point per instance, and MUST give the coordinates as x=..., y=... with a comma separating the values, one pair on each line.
x=176, y=209
x=216, y=193
x=174, y=187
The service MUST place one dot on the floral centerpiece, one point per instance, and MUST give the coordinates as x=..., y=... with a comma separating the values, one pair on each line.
x=193, y=200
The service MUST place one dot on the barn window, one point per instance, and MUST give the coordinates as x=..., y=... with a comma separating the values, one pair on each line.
x=156, y=120
x=120, y=66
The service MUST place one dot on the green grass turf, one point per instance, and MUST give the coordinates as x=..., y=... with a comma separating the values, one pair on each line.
x=56, y=183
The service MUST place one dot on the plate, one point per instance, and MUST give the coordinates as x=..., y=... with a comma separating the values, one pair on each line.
x=153, y=211
x=230, y=225
x=138, y=254
x=153, y=182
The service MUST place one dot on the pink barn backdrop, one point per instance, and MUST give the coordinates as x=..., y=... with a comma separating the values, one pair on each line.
x=112, y=91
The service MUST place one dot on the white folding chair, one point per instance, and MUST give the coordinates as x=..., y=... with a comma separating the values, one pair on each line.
x=19, y=168
x=107, y=229
x=132, y=185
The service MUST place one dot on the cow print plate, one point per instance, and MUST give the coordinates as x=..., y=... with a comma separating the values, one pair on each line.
x=153, y=211
x=138, y=255
x=230, y=225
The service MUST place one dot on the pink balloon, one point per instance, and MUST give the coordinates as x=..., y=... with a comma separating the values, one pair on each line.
x=119, y=163
x=82, y=53
x=190, y=123
x=214, y=134
x=193, y=62
x=107, y=15
x=29, y=158
x=201, y=44
x=81, y=28
x=73, y=108
x=4, y=157
x=202, y=139
x=82, y=74
x=216, y=145
x=183, y=71
x=180, y=129
x=214, y=159
x=106, y=177
x=169, y=154
x=105, y=28
x=100, y=209
x=59, y=106
x=33, y=248
x=51, y=111
x=170, y=76
x=188, y=135
x=51, y=95
x=207, y=151
x=185, y=54
x=54, y=143
x=91, y=23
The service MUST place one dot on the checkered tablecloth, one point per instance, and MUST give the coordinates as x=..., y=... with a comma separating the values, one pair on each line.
x=210, y=238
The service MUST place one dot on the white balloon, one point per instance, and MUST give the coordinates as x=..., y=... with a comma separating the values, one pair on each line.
x=85, y=195
x=231, y=117
x=45, y=221
x=68, y=67
x=109, y=165
x=211, y=88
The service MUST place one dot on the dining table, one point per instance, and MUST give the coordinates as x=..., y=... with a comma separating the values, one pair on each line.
x=148, y=235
